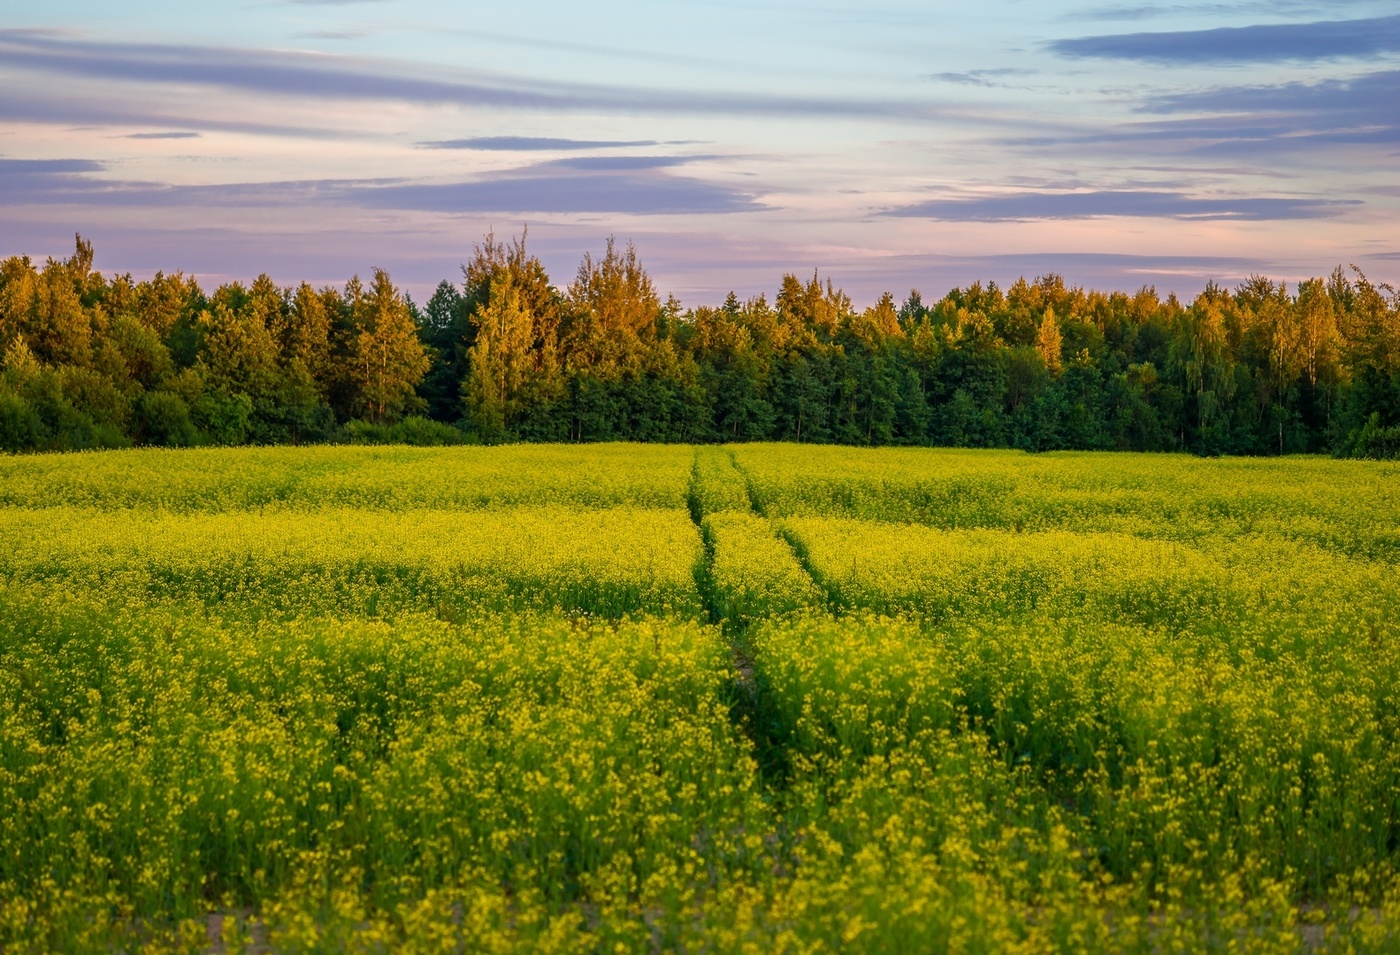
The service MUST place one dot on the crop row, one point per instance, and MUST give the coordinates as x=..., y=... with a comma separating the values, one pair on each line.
x=1350, y=507
x=392, y=478
x=372, y=563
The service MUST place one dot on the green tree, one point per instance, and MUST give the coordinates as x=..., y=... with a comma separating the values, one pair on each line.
x=238, y=351
x=386, y=358
x=1201, y=354
x=303, y=335
x=499, y=360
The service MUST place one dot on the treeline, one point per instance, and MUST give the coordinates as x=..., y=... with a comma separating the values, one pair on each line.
x=91, y=361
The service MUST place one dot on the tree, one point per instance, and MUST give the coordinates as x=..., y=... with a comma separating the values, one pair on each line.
x=1202, y=356
x=59, y=328
x=386, y=359
x=304, y=335
x=877, y=326
x=238, y=349
x=445, y=327
x=1049, y=343
x=19, y=295
x=612, y=313
x=1317, y=323
x=99, y=361
x=733, y=373
x=499, y=360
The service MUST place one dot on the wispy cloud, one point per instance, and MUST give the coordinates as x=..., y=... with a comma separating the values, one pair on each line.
x=989, y=77
x=1232, y=8
x=558, y=187
x=1376, y=95
x=87, y=109
x=533, y=143
x=1325, y=39
x=171, y=135
x=623, y=163
x=619, y=193
x=1252, y=122
x=1284, y=118
x=335, y=34
x=323, y=76
x=1136, y=203
x=46, y=167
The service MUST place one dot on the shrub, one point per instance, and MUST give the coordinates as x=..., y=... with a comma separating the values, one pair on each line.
x=163, y=418
x=413, y=430
x=1375, y=440
x=20, y=427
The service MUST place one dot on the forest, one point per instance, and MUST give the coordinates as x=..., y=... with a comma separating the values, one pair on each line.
x=504, y=354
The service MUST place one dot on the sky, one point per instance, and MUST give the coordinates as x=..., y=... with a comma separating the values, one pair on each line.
x=890, y=144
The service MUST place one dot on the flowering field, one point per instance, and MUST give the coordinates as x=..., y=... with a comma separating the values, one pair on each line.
x=749, y=699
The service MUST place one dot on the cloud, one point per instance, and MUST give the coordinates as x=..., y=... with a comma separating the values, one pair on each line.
x=1377, y=95
x=1233, y=8
x=46, y=167
x=976, y=77
x=182, y=135
x=93, y=110
x=1135, y=203
x=623, y=193
x=1325, y=39
x=548, y=188
x=344, y=78
x=623, y=163
x=1253, y=122
x=335, y=34
x=533, y=143
x=49, y=181
x=1292, y=117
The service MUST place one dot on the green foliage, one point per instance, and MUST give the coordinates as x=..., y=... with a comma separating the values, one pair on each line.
x=385, y=360
x=1039, y=366
x=413, y=430
x=1374, y=440
x=164, y=419
x=20, y=426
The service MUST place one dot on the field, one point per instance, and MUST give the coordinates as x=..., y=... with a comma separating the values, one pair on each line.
x=724, y=699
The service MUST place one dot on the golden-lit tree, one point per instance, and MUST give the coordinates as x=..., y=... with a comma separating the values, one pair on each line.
x=386, y=357
x=1049, y=342
x=500, y=358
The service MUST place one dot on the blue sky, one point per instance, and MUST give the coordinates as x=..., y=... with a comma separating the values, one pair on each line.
x=890, y=144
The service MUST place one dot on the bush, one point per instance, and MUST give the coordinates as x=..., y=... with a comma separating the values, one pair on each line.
x=164, y=418
x=66, y=427
x=413, y=430
x=1375, y=440
x=425, y=432
x=225, y=416
x=21, y=429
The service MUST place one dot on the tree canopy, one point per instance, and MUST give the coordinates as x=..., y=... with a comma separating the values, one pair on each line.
x=88, y=360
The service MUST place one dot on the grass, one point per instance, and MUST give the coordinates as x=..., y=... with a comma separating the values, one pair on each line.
x=749, y=699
